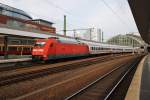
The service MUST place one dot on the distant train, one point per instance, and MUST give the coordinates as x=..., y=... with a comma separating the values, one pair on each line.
x=62, y=47
x=16, y=46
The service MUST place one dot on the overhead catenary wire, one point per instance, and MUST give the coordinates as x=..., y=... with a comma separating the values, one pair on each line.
x=104, y=2
x=58, y=7
x=45, y=17
x=70, y=14
x=62, y=9
x=38, y=15
x=66, y=12
x=115, y=13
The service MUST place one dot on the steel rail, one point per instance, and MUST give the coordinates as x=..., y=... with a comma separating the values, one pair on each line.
x=99, y=79
x=39, y=73
x=122, y=78
x=8, y=66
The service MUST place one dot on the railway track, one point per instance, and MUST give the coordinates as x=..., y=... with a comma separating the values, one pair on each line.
x=14, y=78
x=24, y=64
x=105, y=86
x=53, y=86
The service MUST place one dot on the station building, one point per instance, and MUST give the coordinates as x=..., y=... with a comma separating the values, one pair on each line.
x=17, y=29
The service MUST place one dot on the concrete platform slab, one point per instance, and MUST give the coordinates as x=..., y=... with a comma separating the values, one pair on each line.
x=145, y=81
x=14, y=60
x=134, y=89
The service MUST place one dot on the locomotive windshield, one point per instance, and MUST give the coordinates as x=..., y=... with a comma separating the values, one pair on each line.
x=40, y=44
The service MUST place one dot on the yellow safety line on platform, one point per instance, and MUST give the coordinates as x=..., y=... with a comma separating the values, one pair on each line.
x=134, y=89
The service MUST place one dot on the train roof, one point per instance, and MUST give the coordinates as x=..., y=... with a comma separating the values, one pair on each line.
x=90, y=43
x=104, y=44
x=66, y=40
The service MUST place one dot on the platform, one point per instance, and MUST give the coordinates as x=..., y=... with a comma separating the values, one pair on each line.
x=140, y=85
x=14, y=60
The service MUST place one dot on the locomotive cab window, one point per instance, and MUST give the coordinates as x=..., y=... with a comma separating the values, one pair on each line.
x=40, y=44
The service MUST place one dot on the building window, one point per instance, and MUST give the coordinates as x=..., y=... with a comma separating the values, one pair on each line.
x=15, y=23
x=13, y=14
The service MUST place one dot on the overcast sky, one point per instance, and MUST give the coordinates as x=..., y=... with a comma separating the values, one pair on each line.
x=112, y=16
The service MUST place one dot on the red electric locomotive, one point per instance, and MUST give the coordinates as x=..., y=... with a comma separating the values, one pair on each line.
x=55, y=48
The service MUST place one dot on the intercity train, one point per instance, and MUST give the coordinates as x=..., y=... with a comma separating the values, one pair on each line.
x=63, y=47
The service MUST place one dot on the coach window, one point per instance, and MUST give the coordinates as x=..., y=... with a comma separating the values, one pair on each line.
x=1, y=48
x=26, y=49
x=12, y=48
x=30, y=42
x=19, y=48
x=24, y=42
x=93, y=48
x=14, y=42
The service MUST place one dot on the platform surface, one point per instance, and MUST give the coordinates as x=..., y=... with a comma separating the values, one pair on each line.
x=14, y=60
x=145, y=81
x=140, y=86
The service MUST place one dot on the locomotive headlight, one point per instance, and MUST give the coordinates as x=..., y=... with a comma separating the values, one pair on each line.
x=34, y=50
x=45, y=55
x=41, y=50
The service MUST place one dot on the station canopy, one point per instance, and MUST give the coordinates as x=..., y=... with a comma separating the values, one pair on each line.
x=141, y=13
x=127, y=40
